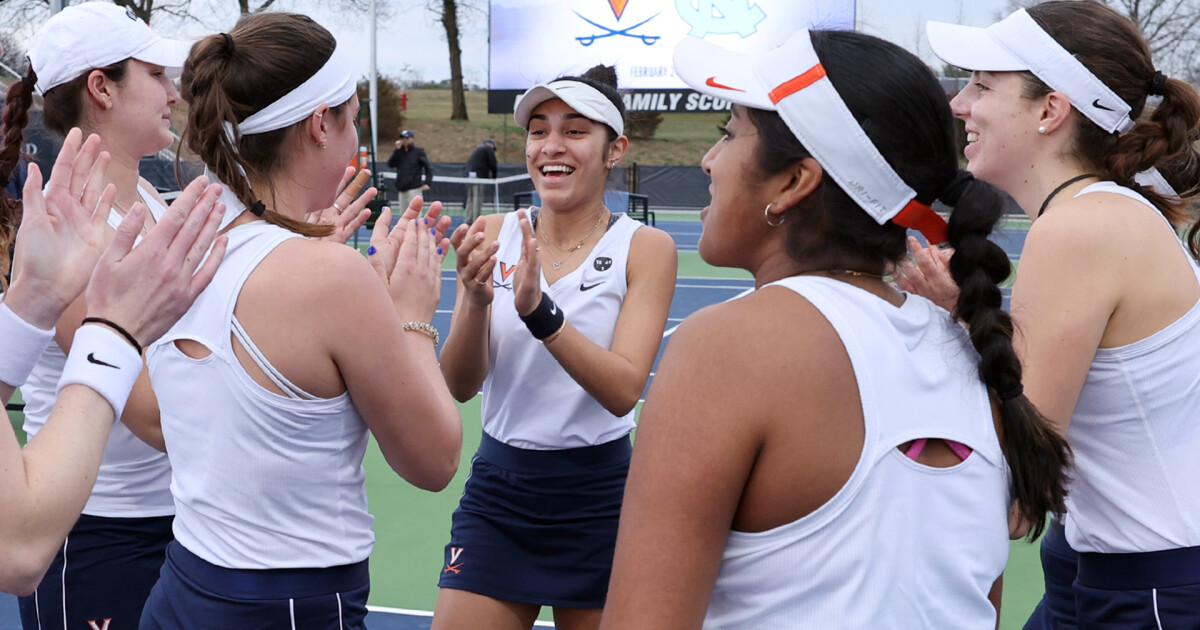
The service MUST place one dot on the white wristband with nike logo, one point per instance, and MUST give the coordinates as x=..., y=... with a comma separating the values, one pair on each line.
x=21, y=345
x=104, y=361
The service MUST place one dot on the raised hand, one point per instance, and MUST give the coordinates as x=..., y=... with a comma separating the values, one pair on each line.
x=408, y=260
x=927, y=274
x=147, y=288
x=62, y=231
x=349, y=210
x=475, y=262
x=527, y=279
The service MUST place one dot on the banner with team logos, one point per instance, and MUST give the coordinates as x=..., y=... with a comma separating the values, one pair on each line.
x=534, y=41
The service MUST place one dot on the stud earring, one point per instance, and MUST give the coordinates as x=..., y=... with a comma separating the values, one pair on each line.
x=1042, y=129
x=322, y=144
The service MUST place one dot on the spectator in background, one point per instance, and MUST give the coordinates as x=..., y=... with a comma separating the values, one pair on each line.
x=414, y=173
x=482, y=164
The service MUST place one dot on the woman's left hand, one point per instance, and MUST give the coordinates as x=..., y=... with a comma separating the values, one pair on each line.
x=349, y=210
x=62, y=231
x=527, y=280
x=927, y=274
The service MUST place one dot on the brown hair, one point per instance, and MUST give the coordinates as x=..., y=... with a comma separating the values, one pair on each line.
x=63, y=109
x=228, y=77
x=1113, y=49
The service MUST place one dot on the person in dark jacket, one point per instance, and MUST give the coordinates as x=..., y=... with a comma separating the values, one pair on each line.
x=482, y=164
x=414, y=173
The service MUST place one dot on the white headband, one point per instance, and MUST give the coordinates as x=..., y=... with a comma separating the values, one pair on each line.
x=1018, y=43
x=581, y=97
x=333, y=85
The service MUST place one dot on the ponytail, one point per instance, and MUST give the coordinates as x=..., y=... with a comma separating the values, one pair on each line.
x=17, y=102
x=214, y=85
x=1037, y=455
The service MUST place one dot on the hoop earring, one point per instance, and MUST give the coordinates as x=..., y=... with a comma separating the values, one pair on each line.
x=767, y=213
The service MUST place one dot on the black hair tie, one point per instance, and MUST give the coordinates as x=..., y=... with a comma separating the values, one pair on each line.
x=258, y=208
x=1015, y=392
x=1158, y=84
x=957, y=186
x=229, y=49
x=30, y=80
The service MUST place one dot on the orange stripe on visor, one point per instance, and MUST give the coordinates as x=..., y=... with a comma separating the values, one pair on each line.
x=922, y=218
x=795, y=84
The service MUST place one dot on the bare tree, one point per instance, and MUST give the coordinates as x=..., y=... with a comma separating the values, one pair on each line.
x=447, y=13
x=1169, y=26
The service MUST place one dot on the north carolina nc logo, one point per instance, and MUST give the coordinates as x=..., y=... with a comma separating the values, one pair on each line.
x=618, y=9
x=720, y=17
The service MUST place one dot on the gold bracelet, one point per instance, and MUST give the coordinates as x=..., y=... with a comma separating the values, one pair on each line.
x=554, y=335
x=426, y=329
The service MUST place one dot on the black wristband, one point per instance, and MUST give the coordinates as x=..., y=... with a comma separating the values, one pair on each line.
x=124, y=333
x=545, y=320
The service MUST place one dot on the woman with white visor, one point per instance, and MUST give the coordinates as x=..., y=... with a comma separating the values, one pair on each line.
x=269, y=384
x=1107, y=300
x=559, y=315
x=829, y=452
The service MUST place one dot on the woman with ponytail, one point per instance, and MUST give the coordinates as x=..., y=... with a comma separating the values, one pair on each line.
x=829, y=452
x=269, y=385
x=101, y=69
x=1107, y=300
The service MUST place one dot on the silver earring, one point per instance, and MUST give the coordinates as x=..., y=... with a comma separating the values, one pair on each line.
x=612, y=165
x=767, y=213
x=1042, y=129
x=321, y=144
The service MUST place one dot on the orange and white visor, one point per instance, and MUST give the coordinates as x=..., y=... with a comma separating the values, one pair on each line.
x=790, y=80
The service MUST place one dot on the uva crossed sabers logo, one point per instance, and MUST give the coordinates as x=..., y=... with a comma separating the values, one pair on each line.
x=453, y=565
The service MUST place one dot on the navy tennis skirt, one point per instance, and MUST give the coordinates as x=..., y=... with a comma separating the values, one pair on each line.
x=192, y=593
x=1128, y=591
x=538, y=527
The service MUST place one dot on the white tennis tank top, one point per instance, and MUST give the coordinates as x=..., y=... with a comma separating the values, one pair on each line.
x=901, y=546
x=529, y=400
x=261, y=480
x=1135, y=435
x=134, y=478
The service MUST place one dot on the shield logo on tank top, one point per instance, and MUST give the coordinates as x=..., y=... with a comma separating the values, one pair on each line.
x=602, y=263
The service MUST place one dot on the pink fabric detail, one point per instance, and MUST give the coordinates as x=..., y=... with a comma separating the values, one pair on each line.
x=914, y=450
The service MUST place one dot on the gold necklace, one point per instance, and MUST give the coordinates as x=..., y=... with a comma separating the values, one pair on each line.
x=844, y=272
x=559, y=262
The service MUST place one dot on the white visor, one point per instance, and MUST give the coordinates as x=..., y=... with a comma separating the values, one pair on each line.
x=580, y=97
x=1018, y=43
x=791, y=80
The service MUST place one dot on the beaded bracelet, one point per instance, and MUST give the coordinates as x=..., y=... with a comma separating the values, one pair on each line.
x=427, y=329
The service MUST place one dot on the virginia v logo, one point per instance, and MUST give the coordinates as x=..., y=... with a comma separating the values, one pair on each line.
x=92, y=625
x=720, y=17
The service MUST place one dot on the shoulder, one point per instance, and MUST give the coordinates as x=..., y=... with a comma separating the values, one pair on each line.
x=652, y=246
x=1090, y=228
x=319, y=270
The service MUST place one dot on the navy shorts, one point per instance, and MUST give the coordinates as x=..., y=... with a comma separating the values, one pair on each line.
x=197, y=595
x=1128, y=591
x=101, y=576
x=1056, y=611
x=538, y=527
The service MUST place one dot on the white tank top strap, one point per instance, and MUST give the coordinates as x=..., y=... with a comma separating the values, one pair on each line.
x=289, y=389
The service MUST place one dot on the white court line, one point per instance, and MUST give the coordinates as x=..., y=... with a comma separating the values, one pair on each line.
x=429, y=613
x=670, y=331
